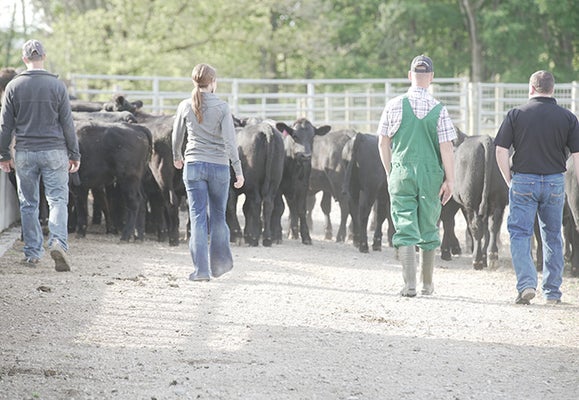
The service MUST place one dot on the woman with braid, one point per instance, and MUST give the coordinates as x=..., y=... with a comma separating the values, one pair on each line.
x=211, y=145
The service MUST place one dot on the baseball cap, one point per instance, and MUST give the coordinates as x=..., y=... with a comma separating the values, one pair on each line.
x=421, y=63
x=33, y=48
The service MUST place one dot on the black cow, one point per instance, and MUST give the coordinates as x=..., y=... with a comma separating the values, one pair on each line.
x=327, y=176
x=571, y=218
x=164, y=185
x=481, y=193
x=365, y=184
x=261, y=151
x=298, y=144
x=85, y=106
x=112, y=153
x=104, y=116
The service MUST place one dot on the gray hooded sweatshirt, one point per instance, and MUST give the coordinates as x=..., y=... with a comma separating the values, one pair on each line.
x=36, y=110
x=211, y=141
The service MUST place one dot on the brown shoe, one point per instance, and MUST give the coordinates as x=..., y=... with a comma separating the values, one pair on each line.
x=58, y=254
x=526, y=296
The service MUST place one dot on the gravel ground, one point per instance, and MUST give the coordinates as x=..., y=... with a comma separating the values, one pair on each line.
x=289, y=322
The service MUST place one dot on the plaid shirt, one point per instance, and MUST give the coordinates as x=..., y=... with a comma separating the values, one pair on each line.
x=421, y=102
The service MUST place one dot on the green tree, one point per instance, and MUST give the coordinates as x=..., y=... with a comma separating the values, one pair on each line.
x=483, y=39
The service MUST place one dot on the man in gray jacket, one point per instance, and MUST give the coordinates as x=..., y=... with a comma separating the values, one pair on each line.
x=36, y=112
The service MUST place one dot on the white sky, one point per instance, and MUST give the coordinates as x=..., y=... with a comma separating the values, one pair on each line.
x=7, y=9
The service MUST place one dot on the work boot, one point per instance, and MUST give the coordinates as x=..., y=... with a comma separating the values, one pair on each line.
x=427, y=269
x=59, y=256
x=408, y=260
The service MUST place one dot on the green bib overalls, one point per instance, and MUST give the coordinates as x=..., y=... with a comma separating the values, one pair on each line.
x=415, y=179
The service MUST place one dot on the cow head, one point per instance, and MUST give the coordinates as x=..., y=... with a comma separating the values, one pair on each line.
x=120, y=103
x=302, y=134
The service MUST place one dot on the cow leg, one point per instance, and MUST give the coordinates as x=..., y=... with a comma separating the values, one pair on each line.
x=326, y=205
x=231, y=218
x=81, y=196
x=310, y=203
x=140, y=223
x=251, y=210
x=479, y=234
x=97, y=211
x=173, y=220
x=450, y=244
x=304, y=231
x=267, y=210
x=277, y=212
x=132, y=198
x=497, y=221
x=365, y=208
x=355, y=225
x=293, y=231
x=299, y=212
x=574, y=253
x=99, y=198
x=344, y=212
x=381, y=208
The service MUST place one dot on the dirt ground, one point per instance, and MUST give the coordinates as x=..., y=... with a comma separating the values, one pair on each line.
x=289, y=322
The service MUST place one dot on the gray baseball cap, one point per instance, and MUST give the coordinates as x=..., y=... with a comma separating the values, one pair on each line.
x=33, y=48
x=421, y=63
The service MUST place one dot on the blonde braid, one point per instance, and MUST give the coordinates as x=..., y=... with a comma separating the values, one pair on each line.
x=203, y=75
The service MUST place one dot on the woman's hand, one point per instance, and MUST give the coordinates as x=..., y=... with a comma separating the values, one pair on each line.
x=178, y=164
x=239, y=181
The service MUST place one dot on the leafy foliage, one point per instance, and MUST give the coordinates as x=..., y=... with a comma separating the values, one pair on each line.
x=309, y=39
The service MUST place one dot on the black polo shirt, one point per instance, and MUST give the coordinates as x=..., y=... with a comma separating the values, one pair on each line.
x=540, y=132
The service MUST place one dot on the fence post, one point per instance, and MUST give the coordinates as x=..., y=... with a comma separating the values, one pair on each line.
x=235, y=97
x=311, y=92
x=474, y=105
x=574, y=99
x=156, y=104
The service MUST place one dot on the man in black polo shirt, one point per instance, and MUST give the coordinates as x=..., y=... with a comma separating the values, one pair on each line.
x=540, y=132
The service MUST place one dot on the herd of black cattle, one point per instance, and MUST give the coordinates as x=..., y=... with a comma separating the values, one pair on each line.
x=127, y=164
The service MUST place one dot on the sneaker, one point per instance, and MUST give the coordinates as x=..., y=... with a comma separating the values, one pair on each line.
x=30, y=261
x=199, y=278
x=427, y=290
x=553, y=302
x=406, y=292
x=525, y=296
x=59, y=256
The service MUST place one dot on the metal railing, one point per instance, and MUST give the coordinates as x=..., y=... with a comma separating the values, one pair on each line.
x=342, y=103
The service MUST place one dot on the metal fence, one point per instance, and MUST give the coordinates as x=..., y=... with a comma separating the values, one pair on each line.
x=343, y=103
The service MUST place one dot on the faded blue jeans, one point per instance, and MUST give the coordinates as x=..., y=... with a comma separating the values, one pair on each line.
x=52, y=166
x=207, y=187
x=544, y=195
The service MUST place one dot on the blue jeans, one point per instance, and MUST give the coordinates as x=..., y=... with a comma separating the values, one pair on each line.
x=52, y=166
x=544, y=195
x=207, y=182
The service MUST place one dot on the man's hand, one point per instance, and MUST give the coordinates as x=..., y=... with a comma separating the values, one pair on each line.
x=73, y=166
x=7, y=165
x=445, y=192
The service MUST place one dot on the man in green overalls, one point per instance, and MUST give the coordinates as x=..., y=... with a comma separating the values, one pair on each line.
x=415, y=143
